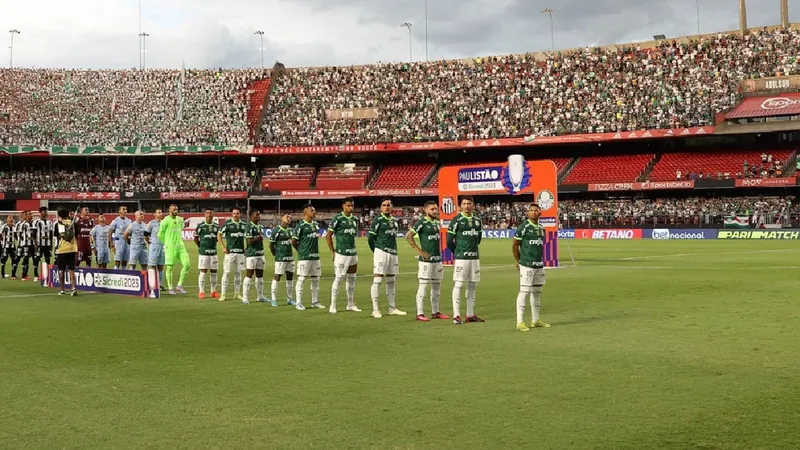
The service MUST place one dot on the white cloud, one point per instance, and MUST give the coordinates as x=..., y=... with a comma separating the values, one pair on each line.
x=210, y=33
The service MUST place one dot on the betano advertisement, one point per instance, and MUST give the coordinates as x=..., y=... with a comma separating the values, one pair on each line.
x=678, y=234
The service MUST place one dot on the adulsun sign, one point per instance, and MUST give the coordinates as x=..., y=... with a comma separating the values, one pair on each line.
x=533, y=181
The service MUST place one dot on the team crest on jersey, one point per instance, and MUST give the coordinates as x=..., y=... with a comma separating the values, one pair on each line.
x=448, y=205
x=545, y=199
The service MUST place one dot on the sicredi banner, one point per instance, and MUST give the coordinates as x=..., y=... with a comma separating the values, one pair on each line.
x=121, y=282
x=679, y=234
x=532, y=181
x=759, y=234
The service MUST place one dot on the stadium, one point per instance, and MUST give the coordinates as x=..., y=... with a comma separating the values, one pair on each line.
x=664, y=174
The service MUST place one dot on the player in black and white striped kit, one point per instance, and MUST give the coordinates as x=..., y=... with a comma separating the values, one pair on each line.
x=26, y=242
x=44, y=241
x=8, y=247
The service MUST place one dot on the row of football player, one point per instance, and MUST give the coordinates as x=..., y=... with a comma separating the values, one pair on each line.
x=24, y=242
x=244, y=251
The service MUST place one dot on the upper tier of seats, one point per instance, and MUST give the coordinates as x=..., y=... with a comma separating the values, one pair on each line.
x=591, y=90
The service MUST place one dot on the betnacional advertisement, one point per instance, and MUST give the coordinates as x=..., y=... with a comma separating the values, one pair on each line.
x=533, y=181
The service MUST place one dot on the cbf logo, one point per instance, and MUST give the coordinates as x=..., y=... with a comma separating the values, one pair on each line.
x=516, y=175
x=448, y=206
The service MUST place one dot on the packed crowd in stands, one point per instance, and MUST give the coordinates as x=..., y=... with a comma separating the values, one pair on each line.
x=127, y=180
x=583, y=91
x=125, y=107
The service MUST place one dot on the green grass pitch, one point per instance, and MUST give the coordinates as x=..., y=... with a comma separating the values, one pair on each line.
x=654, y=344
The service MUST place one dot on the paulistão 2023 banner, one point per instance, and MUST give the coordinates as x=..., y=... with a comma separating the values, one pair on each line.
x=133, y=283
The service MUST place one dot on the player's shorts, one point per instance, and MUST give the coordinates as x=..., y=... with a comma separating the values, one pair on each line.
x=66, y=261
x=467, y=270
x=102, y=255
x=208, y=262
x=234, y=262
x=122, y=251
x=529, y=276
x=174, y=256
x=45, y=253
x=8, y=253
x=309, y=268
x=384, y=263
x=430, y=271
x=25, y=253
x=84, y=251
x=155, y=256
x=343, y=263
x=138, y=256
x=282, y=267
x=255, y=263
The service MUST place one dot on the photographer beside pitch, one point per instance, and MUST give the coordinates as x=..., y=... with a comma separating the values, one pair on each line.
x=528, y=249
x=66, y=250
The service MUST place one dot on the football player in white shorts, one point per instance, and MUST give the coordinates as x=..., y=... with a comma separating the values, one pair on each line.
x=382, y=240
x=344, y=227
x=429, y=253
x=280, y=245
x=464, y=235
x=528, y=251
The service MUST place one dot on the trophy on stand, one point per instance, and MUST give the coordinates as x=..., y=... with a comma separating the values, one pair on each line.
x=516, y=171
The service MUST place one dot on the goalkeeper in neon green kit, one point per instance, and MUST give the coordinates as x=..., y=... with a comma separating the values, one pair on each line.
x=171, y=234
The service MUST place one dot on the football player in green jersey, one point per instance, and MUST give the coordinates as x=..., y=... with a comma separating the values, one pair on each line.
x=231, y=237
x=280, y=245
x=344, y=227
x=528, y=251
x=306, y=241
x=430, y=260
x=463, y=238
x=382, y=241
x=205, y=236
x=254, y=254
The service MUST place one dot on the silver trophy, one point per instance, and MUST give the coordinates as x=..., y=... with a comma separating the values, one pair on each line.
x=516, y=171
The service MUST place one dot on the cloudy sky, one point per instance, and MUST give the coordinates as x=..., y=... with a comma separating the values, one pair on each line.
x=217, y=33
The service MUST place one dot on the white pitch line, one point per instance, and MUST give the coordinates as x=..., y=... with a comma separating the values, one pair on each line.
x=674, y=255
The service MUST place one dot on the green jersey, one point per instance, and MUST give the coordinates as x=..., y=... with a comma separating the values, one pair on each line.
x=282, y=240
x=253, y=231
x=170, y=233
x=307, y=236
x=531, y=246
x=233, y=233
x=427, y=231
x=468, y=232
x=384, y=228
x=344, y=229
x=207, y=233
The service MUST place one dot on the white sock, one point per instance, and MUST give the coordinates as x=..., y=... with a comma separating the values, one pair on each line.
x=315, y=290
x=225, y=276
x=457, y=298
x=260, y=287
x=536, y=302
x=213, y=281
x=201, y=282
x=335, y=290
x=471, y=298
x=298, y=289
x=274, y=290
x=521, y=297
x=237, y=281
x=151, y=279
x=375, y=292
x=422, y=289
x=391, y=292
x=350, y=286
x=246, y=288
x=289, y=289
x=436, y=293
